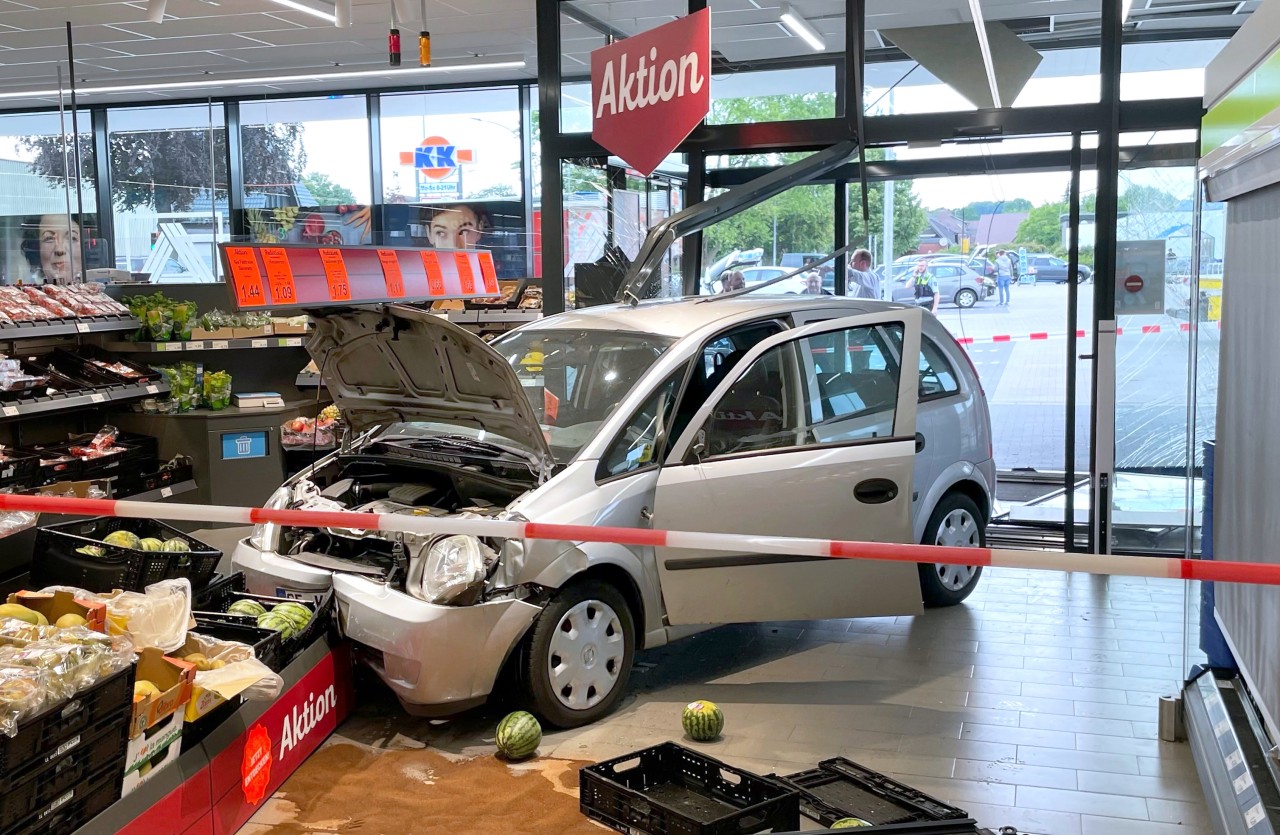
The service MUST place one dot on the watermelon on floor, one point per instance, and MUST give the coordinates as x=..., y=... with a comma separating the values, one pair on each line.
x=519, y=735
x=703, y=721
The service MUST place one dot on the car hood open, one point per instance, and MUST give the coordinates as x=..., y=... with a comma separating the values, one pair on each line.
x=391, y=363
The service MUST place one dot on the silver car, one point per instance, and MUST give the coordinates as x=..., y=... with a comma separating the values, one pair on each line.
x=957, y=284
x=784, y=415
x=789, y=416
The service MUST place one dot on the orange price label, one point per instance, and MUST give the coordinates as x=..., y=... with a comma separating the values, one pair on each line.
x=245, y=276
x=279, y=276
x=391, y=273
x=488, y=273
x=435, y=278
x=335, y=272
x=465, y=274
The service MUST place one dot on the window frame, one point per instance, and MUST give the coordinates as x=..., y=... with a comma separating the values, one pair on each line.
x=680, y=377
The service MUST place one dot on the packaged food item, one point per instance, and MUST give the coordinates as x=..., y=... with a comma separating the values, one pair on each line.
x=102, y=444
x=22, y=695
x=217, y=390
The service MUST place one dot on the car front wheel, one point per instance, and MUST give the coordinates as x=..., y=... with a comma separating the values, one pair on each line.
x=1081, y=277
x=578, y=657
x=966, y=298
x=955, y=522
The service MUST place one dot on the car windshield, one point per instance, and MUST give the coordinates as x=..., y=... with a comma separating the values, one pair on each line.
x=575, y=378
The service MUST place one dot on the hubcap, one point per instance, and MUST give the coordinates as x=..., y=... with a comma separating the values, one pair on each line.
x=959, y=530
x=586, y=655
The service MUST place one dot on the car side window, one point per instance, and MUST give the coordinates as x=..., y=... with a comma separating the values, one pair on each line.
x=851, y=395
x=636, y=446
x=937, y=377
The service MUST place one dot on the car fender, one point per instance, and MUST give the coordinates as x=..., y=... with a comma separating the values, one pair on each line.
x=581, y=557
x=954, y=474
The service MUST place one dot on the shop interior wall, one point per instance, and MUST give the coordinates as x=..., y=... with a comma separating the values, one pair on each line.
x=1246, y=524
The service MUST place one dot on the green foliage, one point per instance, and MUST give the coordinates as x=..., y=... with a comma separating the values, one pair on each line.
x=1043, y=226
x=991, y=207
x=325, y=191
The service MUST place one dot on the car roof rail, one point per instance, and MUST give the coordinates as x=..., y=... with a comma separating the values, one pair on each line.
x=645, y=269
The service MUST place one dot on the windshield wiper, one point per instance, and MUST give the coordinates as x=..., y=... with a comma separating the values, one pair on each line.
x=463, y=442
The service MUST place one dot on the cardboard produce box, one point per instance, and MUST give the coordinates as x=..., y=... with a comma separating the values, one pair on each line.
x=203, y=333
x=152, y=751
x=293, y=326
x=174, y=678
x=59, y=603
x=247, y=333
x=76, y=489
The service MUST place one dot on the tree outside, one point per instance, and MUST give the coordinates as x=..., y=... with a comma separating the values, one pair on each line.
x=165, y=170
x=325, y=191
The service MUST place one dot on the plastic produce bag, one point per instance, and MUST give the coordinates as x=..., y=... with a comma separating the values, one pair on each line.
x=19, y=633
x=22, y=695
x=158, y=617
x=68, y=668
x=16, y=521
x=244, y=675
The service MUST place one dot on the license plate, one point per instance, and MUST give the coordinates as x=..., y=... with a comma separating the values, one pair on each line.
x=300, y=596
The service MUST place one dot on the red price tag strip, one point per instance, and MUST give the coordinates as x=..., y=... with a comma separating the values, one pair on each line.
x=246, y=276
x=488, y=273
x=465, y=273
x=391, y=273
x=279, y=276
x=435, y=278
x=335, y=272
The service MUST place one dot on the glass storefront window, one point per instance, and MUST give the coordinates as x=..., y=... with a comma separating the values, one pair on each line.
x=772, y=239
x=169, y=192
x=36, y=197
x=306, y=170
x=773, y=95
x=451, y=174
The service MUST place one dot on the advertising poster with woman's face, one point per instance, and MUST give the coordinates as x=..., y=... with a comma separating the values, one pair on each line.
x=47, y=247
x=495, y=225
x=52, y=245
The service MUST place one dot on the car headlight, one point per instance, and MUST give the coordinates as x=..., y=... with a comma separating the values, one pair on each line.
x=452, y=570
x=264, y=536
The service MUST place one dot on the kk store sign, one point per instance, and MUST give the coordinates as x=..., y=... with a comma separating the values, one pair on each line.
x=438, y=166
x=651, y=90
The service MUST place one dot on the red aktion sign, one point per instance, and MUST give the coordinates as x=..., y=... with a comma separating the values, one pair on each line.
x=652, y=89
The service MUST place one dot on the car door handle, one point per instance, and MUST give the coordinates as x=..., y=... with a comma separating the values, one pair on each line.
x=646, y=514
x=919, y=442
x=876, y=491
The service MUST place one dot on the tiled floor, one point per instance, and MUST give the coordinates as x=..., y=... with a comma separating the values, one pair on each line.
x=1033, y=705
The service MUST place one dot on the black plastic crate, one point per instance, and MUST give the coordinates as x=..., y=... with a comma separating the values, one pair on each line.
x=208, y=598
x=840, y=788
x=20, y=469
x=221, y=598
x=267, y=643
x=25, y=793
x=55, y=562
x=70, y=470
x=77, y=805
x=92, y=379
x=47, y=731
x=671, y=790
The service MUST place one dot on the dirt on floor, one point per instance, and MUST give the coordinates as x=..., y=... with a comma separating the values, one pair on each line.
x=349, y=788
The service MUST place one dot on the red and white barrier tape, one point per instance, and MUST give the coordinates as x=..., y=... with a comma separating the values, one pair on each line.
x=1144, y=330
x=1167, y=567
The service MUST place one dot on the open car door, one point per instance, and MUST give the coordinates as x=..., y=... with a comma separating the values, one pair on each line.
x=813, y=435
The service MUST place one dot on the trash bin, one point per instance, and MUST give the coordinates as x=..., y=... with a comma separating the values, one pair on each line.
x=1212, y=644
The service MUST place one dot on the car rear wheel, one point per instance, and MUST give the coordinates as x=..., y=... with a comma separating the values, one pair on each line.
x=966, y=298
x=578, y=656
x=955, y=522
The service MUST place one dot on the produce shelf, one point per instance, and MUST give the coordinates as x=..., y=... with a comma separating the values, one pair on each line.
x=295, y=341
x=67, y=327
x=163, y=492
x=69, y=402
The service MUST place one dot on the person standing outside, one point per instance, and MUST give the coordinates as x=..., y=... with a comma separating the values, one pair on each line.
x=925, y=287
x=1004, y=276
x=863, y=283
